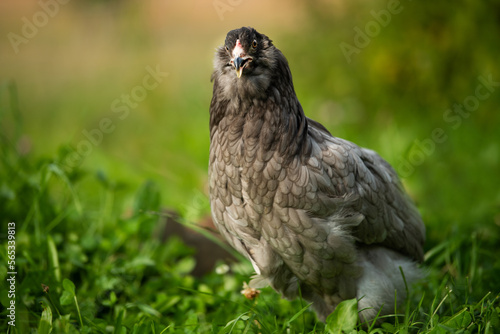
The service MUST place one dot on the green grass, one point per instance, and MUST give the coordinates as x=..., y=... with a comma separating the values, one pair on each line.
x=89, y=257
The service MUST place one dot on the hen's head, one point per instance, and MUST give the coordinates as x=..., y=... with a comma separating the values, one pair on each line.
x=247, y=64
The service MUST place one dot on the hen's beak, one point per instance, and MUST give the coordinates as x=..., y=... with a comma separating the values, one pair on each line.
x=240, y=63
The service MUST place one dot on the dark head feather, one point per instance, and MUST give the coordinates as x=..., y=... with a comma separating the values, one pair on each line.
x=268, y=66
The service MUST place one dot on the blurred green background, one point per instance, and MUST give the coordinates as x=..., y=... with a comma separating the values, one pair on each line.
x=389, y=95
x=417, y=81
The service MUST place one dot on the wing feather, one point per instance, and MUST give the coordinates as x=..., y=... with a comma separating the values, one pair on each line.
x=390, y=217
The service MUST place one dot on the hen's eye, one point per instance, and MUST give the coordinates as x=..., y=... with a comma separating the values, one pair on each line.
x=254, y=43
x=227, y=49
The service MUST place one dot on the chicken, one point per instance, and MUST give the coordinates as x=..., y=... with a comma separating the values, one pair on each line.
x=306, y=208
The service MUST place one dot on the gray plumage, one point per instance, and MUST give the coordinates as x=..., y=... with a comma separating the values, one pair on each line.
x=306, y=208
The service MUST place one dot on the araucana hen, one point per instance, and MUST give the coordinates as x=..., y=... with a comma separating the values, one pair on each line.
x=306, y=208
